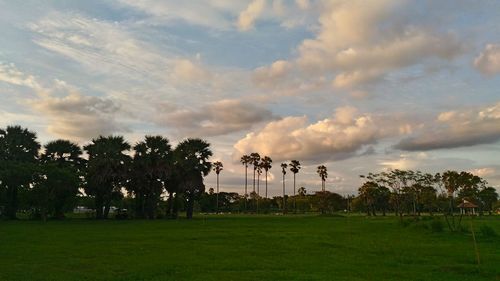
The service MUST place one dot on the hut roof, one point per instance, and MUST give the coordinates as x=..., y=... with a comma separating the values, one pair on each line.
x=467, y=204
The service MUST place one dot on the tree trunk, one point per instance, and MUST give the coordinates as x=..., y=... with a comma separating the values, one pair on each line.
x=98, y=207
x=190, y=206
x=11, y=208
x=169, y=205
x=246, y=186
x=217, y=197
x=266, y=184
x=294, y=197
x=175, y=207
x=107, y=206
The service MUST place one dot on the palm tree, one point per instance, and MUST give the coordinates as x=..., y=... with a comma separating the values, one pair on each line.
x=266, y=165
x=218, y=167
x=245, y=160
x=18, y=155
x=61, y=165
x=106, y=170
x=259, y=172
x=323, y=174
x=191, y=157
x=283, y=170
x=255, y=162
x=294, y=168
x=150, y=171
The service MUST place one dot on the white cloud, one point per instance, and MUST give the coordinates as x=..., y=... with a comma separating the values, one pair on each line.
x=483, y=172
x=488, y=61
x=456, y=129
x=247, y=17
x=359, y=42
x=211, y=13
x=10, y=74
x=189, y=71
x=332, y=138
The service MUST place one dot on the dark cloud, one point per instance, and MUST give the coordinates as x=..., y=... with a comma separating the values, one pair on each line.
x=457, y=129
x=215, y=119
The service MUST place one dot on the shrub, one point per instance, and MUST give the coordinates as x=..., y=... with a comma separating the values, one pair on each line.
x=487, y=231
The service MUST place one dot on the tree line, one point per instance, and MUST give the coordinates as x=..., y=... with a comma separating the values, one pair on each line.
x=47, y=181
x=50, y=181
x=413, y=192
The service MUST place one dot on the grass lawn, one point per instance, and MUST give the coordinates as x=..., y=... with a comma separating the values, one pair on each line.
x=244, y=248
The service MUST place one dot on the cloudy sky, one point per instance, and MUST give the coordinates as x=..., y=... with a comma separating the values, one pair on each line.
x=359, y=86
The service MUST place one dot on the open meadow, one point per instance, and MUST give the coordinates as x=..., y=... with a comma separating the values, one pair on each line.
x=235, y=247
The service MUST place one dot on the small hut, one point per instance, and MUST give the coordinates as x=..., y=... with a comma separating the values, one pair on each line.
x=467, y=208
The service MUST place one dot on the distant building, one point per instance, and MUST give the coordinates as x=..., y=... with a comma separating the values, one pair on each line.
x=467, y=208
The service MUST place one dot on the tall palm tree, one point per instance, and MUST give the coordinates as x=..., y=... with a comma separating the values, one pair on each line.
x=151, y=169
x=283, y=171
x=255, y=162
x=245, y=160
x=18, y=155
x=191, y=157
x=266, y=165
x=106, y=170
x=323, y=174
x=259, y=172
x=294, y=168
x=218, y=167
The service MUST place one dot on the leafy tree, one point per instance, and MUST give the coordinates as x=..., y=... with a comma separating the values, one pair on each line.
x=106, y=171
x=294, y=168
x=218, y=167
x=368, y=193
x=488, y=197
x=191, y=157
x=18, y=155
x=302, y=191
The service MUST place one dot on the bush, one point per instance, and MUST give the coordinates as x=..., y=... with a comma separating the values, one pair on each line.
x=487, y=231
x=436, y=226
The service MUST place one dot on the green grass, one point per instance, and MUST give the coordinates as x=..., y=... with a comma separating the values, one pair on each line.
x=244, y=248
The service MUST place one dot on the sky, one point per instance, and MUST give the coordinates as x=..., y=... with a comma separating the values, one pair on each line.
x=358, y=86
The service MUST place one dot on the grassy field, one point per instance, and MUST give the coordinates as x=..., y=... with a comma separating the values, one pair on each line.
x=244, y=248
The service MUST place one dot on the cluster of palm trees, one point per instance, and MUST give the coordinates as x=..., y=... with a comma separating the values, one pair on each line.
x=265, y=164
x=52, y=178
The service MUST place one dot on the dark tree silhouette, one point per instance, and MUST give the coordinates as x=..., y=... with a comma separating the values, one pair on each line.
x=266, y=165
x=283, y=171
x=62, y=166
x=151, y=168
x=255, y=162
x=106, y=171
x=323, y=174
x=294, y=168
x=218, y=167
x=191, y=156
x=18, y=155
x=245, y=160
